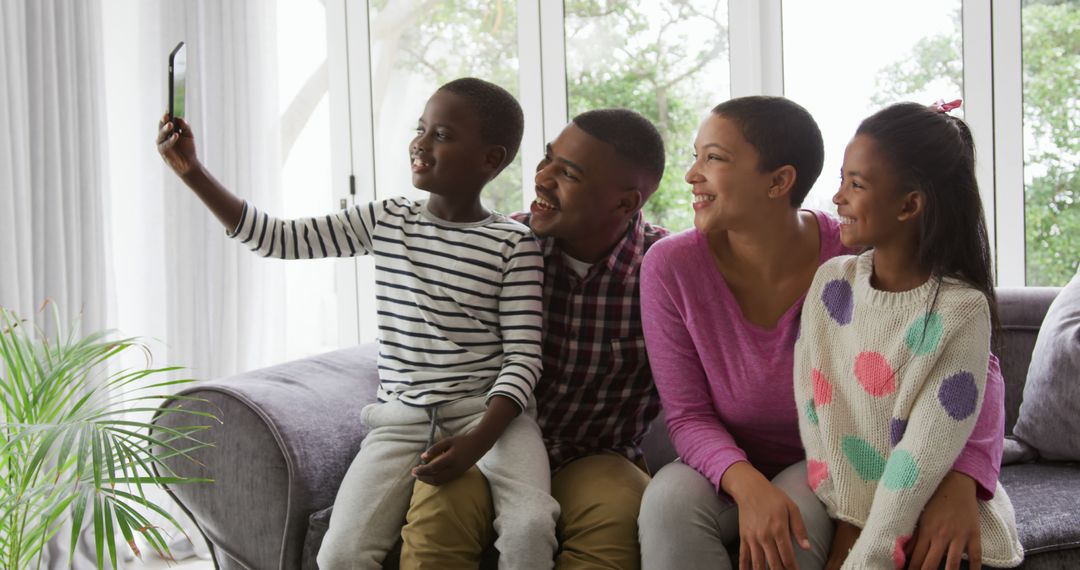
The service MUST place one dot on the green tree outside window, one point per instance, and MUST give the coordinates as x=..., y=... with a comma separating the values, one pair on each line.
x=1051, y=72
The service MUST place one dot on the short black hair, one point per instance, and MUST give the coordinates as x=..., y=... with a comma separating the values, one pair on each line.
x=632, y=136
x=501, y=119
x=782, y=132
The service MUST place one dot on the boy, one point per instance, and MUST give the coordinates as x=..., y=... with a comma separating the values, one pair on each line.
x=596, y=399
x=458, y=293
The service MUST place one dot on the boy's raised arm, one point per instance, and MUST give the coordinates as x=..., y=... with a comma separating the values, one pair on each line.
x=178, y=150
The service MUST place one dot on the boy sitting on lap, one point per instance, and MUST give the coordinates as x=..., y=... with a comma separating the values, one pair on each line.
x=458, y=293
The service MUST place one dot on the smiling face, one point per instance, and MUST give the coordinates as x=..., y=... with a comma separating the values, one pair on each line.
x=448, y=155
x=725, y=180
x=583, y=190
x=872, y=203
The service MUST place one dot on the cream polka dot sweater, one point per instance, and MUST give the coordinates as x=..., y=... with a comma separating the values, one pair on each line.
x=888, y=394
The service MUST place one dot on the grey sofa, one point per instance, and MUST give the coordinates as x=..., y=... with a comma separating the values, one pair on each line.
x=289, y=432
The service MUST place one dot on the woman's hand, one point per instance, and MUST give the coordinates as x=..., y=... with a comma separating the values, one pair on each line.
x=767, y=519
x=948, y=527
x=843, y=539
x=177, y=148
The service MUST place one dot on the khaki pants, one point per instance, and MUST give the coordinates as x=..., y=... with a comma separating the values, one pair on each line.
x=449, y=527
x=374, y=495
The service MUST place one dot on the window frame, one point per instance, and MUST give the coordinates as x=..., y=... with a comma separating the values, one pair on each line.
x=993, y=98
x=1008, y=150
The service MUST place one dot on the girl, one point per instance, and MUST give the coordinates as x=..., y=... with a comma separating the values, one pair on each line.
x=890, y=367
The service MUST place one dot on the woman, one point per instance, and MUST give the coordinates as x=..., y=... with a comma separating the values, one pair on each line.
x=721, y=305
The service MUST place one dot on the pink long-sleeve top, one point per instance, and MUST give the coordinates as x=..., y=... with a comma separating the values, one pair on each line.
x=726, y=384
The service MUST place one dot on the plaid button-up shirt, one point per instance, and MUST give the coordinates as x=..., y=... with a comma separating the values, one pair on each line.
x=596, y=393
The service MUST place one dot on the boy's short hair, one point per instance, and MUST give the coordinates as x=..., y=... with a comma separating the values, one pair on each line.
x=500, y=115
x=632, y=136
x=782, y=132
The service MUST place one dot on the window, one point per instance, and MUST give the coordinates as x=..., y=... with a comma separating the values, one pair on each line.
x=1051, y=72
x=667, y=60
x=416, y=47
x=861, y=56
x=311, y=306
x=353, y=76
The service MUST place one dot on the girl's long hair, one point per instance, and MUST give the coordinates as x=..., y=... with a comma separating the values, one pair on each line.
x=935, y=154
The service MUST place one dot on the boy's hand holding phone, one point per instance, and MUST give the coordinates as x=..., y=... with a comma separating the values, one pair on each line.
x=176, y=144
x=177, y=148
x=174, y=139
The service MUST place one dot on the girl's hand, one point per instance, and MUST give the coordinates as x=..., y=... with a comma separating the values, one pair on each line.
x=843, y=539
x=767, y=519
x=948, y=527
x=178, y=149
x=450, y=458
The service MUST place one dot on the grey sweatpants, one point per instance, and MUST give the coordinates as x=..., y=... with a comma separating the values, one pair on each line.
x=374, y=496
x=684, y=523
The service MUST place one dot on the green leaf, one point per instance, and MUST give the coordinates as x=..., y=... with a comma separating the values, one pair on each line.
x=110, y=533
x=97, y=465
x=99, y=534
x=43, y=450
x=65, y=439
x=77, y=516
x=123, y=521
x=157, y=442
x=146, y=529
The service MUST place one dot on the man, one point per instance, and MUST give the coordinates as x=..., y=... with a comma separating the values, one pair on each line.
x=596, y=397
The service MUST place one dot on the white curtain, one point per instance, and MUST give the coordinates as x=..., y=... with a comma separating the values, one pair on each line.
x=53, y=183
x=90, y=216
x=53, y=160
x=224, y=304
x=217, y=308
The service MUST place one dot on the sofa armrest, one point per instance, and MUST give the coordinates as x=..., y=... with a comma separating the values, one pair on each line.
x=287, y=435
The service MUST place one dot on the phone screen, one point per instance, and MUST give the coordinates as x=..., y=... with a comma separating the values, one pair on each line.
x=177, y=80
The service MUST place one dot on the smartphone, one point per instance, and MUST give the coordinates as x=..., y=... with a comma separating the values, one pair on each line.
x=177, y=81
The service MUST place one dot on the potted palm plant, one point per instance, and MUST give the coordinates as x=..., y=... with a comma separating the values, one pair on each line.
x=76, y=443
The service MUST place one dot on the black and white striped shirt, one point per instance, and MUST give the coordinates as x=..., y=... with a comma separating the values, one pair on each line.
x=459, y=304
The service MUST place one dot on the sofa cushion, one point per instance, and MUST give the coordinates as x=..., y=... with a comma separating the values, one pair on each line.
x=1049, y=420
x=318, y=523
x=1046, y=498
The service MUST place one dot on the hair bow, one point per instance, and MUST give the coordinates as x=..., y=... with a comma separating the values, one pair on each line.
x=942, y=107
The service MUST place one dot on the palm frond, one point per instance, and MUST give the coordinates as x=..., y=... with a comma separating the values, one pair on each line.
x=69, y=450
